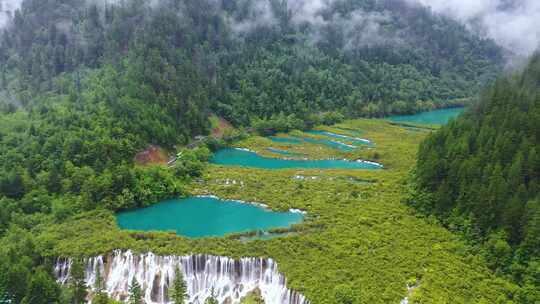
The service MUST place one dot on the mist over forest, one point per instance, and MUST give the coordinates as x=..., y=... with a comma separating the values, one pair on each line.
x=499, y=20
x=399, y=140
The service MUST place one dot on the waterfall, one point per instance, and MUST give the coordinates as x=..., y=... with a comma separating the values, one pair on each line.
x=410, y=289
x=231, y=279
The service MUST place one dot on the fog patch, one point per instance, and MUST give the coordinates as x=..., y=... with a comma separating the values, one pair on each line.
x=513, y=24
x=7, y=10
x=356, y=28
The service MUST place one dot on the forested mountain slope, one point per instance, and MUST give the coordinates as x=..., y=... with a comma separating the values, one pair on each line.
x=245, y=59
x=87, y=84
x=481, y=175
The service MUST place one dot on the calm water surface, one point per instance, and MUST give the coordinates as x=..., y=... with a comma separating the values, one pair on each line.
x=436, y=117
x=237, y=157
x=354, y=140
x=204, y=217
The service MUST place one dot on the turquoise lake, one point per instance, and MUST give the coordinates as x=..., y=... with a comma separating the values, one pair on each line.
x=350, y=131
x=334, y=144
x=332, y=140
x=318, y=141
x=284, y=152
x=205, y=217
x=237, y=157
x=436, y=117
x=285, y=140
x=355, y=140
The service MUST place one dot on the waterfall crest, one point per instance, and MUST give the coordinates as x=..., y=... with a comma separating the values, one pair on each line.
x=231, y=279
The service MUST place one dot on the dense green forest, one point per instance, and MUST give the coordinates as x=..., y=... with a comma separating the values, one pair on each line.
x=480, y=175
x=244, y=59
x=85, y=85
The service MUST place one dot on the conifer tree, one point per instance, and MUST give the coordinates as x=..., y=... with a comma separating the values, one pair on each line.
x=135, y=292
x=212, y=298
x=178, y=292
x=99, y=281
x=481, y=172
x=4, y=297
x=42, y=289
x=100, y=296
x=77, y=284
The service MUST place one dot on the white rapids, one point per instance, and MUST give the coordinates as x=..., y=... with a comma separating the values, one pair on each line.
x=231, y=279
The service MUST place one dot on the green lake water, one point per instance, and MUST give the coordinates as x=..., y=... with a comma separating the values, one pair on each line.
x=354, y=140
x=334, y=144
x=436, y=117
x=350, y=131
x=205, y=217
x=285, y=140
x=318, y=141
x=284, y=152
x=237, y=157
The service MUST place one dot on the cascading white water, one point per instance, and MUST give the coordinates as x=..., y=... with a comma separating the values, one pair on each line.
x=231, y=279
x=410, y=289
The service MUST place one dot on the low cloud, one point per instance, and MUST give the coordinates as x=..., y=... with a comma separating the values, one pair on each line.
x=513, y=24
x=7, y=9
x=260, y=14
x=356, y=28
x=363, y=29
